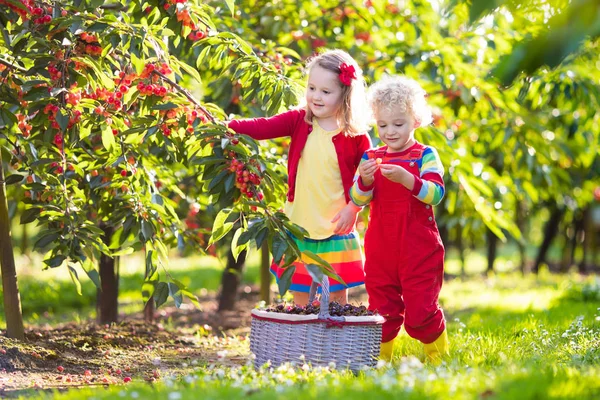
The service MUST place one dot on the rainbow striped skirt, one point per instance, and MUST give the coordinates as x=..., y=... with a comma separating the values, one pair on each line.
x=342, y=252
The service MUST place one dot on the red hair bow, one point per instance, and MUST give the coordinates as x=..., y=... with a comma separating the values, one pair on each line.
x=347, y=73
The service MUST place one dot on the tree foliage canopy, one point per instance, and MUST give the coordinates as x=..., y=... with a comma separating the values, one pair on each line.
x=112, y=114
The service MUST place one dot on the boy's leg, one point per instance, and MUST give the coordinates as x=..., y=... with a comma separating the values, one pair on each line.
x=424, y=318
x=436, y=350
x=387, y=350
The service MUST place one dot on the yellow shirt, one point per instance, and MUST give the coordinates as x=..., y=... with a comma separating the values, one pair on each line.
x=319, y=194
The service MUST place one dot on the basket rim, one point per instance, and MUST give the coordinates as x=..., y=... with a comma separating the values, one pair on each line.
x=314, y=318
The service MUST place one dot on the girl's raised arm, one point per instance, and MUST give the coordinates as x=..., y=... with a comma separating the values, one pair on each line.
x=279, y=125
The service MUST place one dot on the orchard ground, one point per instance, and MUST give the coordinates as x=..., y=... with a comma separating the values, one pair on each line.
x=531, y=336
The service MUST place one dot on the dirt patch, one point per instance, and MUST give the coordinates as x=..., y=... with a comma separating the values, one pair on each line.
x=76, y=355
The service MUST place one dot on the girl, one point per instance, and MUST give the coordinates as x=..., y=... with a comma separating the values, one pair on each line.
x=402, y=180
x=328, y=140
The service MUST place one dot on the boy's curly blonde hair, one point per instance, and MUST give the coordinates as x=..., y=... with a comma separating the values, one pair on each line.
x=353, y=115
x=398, y=91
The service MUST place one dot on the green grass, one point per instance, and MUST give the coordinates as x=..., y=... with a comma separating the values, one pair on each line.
x=512, y=337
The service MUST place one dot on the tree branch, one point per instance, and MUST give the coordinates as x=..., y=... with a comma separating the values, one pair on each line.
x=11, y=65
x=187, y=94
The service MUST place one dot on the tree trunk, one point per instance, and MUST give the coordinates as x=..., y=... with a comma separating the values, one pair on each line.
x=565, y=261
x=107, y=297
x=12, y=301
x=579, y=238
x=520, y=218
x=25, y=239
x=492, y=248
x=550, y=231
x=230, y=281
x=460, y=244
x=588, y=242
x=265, y=274
x=149, y=311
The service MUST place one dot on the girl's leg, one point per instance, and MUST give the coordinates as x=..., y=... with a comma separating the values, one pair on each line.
x=341, y=296
x=300, y=298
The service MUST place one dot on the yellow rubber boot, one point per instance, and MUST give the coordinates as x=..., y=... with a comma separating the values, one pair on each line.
x=386, y=350
x=436, y=350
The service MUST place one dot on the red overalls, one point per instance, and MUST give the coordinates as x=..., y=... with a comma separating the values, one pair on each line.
x=404, y=253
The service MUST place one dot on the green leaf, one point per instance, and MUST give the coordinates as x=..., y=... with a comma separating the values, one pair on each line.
x=192, y=297
x=316, y=272
x=220, y=227
x=46, y=238
x=91, y=271
x=296, y=230
x=165, y=106
x=324, y=266
x=147, y=230
x=150, y=263
x=55, y=261
x=7, y=119
x=62, y=119
x=230, y=5
x=138, y=64
x=278, y=248
x=30, y=215
x=75, y=279
x=260, y=237
x=108, y=139
x=161, y=293
x=236, y=248
x=190, y=70
x=14, y=178
x=285, y=280
x=148, y=290
x=217, y=179
x=175, y=294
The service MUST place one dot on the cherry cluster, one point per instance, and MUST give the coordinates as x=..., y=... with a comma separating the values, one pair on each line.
x=335, y=309
x=25, y=8
x=246, y=180
x=183, y=16
x=90, y=45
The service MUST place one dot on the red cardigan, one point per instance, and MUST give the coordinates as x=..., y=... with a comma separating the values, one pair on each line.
x=291, y=123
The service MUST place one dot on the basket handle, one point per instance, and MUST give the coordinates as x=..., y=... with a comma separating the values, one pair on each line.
x=324, y=310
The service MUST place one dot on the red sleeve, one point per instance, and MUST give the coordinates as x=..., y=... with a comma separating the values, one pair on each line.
x=364, y=144
x=280, y=125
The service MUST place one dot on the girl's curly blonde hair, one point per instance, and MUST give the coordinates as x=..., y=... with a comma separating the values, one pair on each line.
x=398, y=91
x=353, y=115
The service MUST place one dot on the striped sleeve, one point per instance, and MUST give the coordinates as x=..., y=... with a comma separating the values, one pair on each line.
x=360, y=194
x=429, y=185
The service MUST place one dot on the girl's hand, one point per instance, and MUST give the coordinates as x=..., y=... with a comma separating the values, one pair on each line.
x=367, y=171
x=396, y=173
x=346, y=219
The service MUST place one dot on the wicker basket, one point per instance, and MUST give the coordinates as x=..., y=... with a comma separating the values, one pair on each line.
x=349, y=342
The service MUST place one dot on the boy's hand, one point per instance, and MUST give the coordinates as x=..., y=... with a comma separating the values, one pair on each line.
x=367, y=171
x=346, y=219
x=396, y=173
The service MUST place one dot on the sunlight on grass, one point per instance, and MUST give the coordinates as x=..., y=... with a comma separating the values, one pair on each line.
x=511, y=337
x=512, y=292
